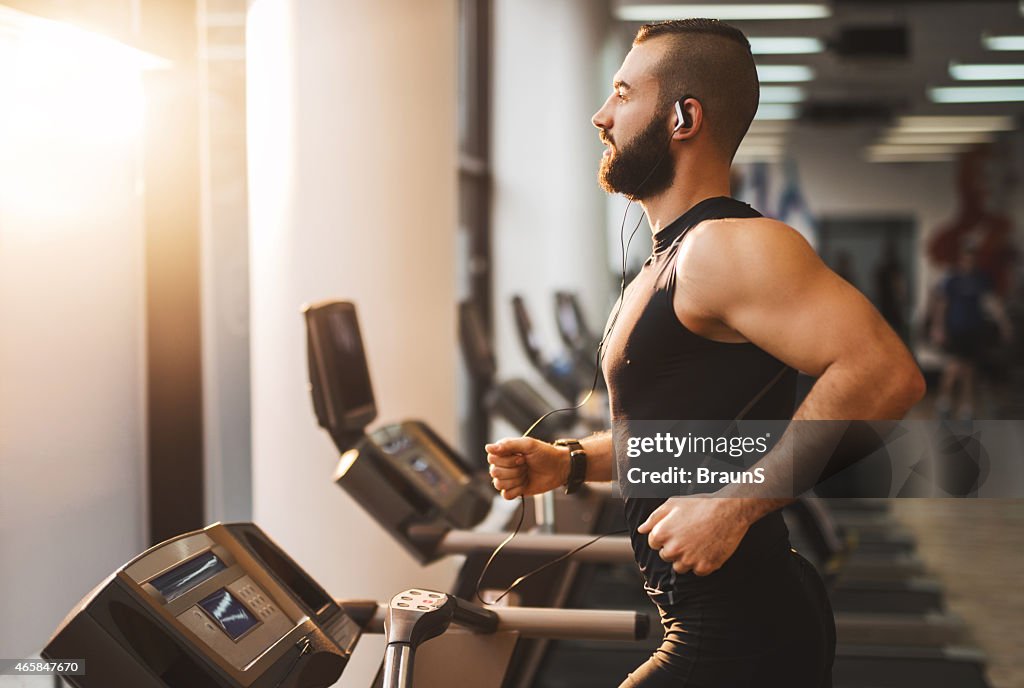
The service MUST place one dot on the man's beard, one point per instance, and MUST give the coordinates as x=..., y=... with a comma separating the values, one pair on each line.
x=642, y=167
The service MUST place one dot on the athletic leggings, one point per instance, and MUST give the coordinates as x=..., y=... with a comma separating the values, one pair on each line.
x=774, y=630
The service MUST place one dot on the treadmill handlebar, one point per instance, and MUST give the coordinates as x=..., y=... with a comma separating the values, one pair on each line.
x=557, y=624
x=574, y=624
x=609, y=549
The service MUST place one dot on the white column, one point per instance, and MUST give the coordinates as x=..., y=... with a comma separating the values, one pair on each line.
x=352, y=182
x=549, y=226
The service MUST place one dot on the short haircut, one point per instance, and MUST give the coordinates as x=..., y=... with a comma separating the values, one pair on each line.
x=711, y=61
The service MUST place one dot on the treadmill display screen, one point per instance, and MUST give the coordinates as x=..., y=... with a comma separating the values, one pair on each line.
x=347, y=344
x=183, y=578
x=232, y=616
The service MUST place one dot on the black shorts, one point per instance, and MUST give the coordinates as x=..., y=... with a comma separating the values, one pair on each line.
x=777, y=630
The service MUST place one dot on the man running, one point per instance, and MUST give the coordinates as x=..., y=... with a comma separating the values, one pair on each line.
x=724, y=312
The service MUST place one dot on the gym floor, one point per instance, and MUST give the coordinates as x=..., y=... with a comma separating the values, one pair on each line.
x=973, y=546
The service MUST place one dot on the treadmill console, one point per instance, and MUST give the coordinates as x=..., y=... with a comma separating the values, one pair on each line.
x=220, y=607
x=339, y=375
x=404, y=475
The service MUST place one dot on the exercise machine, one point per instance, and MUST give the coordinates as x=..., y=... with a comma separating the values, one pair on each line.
x=226, y=607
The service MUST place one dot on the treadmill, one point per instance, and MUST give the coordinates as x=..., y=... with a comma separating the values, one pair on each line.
x=226, y=607
x=573, y=329
x=515, y=400
x=561, y=371
x=411, y=485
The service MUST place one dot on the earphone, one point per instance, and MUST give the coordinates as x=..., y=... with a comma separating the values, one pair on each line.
x=681, y=119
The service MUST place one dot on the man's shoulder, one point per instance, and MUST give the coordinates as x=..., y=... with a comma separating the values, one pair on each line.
x=737, y=242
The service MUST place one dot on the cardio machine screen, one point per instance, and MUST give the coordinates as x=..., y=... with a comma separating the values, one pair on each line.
x=232, y=616
x=567, y=319
x=350, y=359
x=183, y=578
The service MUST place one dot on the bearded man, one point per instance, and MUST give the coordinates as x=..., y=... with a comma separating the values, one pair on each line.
x=726, y=310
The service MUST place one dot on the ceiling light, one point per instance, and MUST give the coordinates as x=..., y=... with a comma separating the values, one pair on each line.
x=986, y=72
x=894, y=149
x=784, y=73
x=768, y=111
x=966, y=123
x=782, y=94
x=759, y=148
x=726, y=11
x=909, y=158
x=1003, y=42
x=976, y=94
x=939, y=137
x=794, y=45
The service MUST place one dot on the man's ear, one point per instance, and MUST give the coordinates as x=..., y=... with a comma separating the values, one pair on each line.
x=689, y=118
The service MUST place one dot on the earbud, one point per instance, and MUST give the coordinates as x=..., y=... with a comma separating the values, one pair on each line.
x=682, y=120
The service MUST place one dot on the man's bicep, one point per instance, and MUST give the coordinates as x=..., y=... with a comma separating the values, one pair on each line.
x=809, y=318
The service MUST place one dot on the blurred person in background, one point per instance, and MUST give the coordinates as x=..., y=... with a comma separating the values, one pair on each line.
x=963, y=303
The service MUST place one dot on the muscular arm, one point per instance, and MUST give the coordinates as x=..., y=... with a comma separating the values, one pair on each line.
x=759, y=281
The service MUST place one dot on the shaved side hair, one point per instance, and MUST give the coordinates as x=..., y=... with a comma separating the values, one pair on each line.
x=711, y=61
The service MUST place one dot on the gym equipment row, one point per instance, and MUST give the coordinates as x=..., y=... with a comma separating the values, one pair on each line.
x=873, y=612
x=227, y=607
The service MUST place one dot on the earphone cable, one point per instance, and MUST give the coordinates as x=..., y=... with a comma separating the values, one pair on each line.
x=599, y=361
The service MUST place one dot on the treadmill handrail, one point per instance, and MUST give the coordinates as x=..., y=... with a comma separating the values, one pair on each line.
x=556, y=624
x=610, y=549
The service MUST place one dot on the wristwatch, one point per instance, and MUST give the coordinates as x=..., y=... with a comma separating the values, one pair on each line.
x=577, y=464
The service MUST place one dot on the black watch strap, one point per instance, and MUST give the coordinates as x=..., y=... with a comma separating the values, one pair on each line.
x=577, y=464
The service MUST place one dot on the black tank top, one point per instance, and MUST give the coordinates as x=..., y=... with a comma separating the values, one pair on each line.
x=657, y=369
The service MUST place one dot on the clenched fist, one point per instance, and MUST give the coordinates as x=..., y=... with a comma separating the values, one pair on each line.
x=523, y=466
x=697, y=534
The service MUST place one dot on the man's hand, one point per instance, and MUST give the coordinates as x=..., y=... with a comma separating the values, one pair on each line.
x=696, y=534
x=523, y=466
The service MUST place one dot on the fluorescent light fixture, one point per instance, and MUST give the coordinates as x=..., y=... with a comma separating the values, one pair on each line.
x=726, y=11
x=976, y=94
x=930, y=149
x=779, y=111
x=986, y=72
x=794, y=45
x=782, y=94
x=908, y=158
x=784, y=73
x=759, y=148
x=760, y=142
x=1003, y=42
x=937, y=137
x=966, y=123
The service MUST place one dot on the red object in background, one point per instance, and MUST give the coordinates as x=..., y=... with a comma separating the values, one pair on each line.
x=991, y=231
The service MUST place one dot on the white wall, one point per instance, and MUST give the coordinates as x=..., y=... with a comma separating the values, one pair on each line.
x=71, y=337
x=836, y=181
x=548, y=213
x=352, y=180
